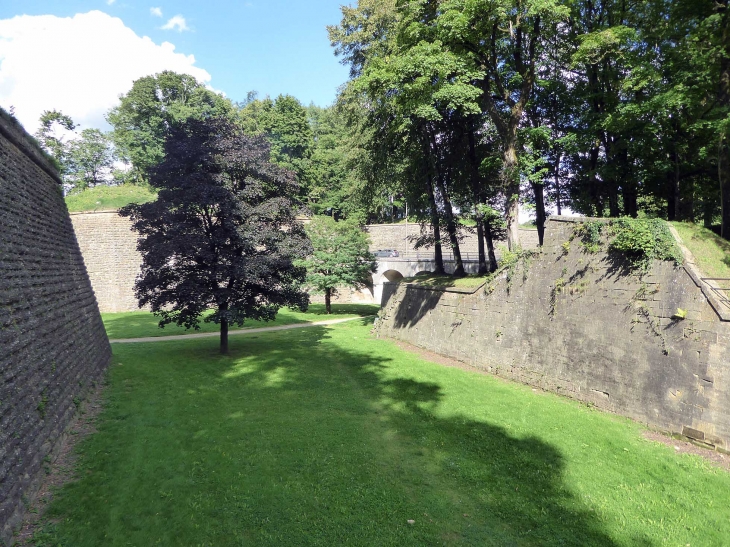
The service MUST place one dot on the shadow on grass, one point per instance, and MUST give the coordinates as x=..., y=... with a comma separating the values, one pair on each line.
x=311, y=436
x=510, y=489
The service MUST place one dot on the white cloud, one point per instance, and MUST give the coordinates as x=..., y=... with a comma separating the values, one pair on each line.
x=176, y=23
x=157, y=12
x=79, y=65
x=110, y=2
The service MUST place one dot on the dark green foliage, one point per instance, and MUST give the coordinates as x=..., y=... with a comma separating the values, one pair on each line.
x=590, y=234
x=644, y=240
x=222, y=233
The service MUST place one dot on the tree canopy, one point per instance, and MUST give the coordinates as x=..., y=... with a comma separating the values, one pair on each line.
x=340, y=257
x=155, y=104
x=222, y=233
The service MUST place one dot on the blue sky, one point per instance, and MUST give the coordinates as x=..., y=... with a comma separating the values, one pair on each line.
x=272, y=46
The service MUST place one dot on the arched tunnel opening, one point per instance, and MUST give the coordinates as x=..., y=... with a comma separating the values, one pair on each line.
x=392, y=275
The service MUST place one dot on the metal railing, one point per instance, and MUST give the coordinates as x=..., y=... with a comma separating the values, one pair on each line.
x=429, y=255
x=720, y=286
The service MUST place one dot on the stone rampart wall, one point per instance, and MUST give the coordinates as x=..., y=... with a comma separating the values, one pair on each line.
x=109, y=247
x=52, y=342
x=401, y=238
x=577, y=324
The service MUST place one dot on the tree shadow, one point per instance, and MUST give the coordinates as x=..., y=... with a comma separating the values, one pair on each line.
x=510, y=489
x=414, y=306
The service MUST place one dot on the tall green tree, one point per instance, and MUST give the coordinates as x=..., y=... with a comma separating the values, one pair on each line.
x=147, y=113
x=504, y=41
x=285, y=124
x=53, y=122
x=340, y=257
x=222, y=233
x=90, y=160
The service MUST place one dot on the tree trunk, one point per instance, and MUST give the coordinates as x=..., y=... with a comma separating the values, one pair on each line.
x=723, y=163
x=510, y=175
x=474, y=174
x=593, y=178
x=539, y=191
x=328, y=300
x=558, y=198
x=451, y=228
x=224, y=336
x=480, y=245
x=708, y=211
x=437, y=255
x=723, y=169
x=629, y=189
x=488, y=237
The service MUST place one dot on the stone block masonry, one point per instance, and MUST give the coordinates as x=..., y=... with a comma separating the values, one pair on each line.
x=579, y=324
x=52, y=342
x=109, y=247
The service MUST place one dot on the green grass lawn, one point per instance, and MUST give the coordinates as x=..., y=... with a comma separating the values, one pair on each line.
x=107, y=197
x=711, y=252
x=444, y=281
x=326, y=436
x=141, y=324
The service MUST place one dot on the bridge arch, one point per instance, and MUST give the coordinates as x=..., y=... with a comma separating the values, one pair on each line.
x=393, y=275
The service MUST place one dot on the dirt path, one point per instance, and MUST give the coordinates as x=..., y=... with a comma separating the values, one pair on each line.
x=233, y=332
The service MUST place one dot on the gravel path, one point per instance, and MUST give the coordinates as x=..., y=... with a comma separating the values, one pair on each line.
x=232, y=332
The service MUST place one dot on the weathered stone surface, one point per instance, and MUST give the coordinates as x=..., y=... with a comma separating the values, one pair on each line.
x=52, y=341
x=109, y=248
x=578, y=324
x=400, y=237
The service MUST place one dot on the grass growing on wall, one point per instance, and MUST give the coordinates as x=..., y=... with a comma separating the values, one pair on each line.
x=141, y=324
x=326, y=436
x=711, y=252
x=445, y=280
x=107, y=197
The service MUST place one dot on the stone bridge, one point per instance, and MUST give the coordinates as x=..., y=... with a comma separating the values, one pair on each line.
x=410, y=265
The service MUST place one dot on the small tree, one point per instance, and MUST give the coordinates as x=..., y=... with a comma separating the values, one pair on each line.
x=340, y=257
x=90, y=160
x=222, y=233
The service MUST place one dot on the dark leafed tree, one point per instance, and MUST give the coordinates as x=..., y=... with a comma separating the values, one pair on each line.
x=340, y=257
x=222, y=233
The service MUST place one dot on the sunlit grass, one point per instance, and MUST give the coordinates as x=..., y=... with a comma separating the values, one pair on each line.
x=141, y=324
x=326, y=436
x=445, y=281
x=107, y=197
x=711, y=252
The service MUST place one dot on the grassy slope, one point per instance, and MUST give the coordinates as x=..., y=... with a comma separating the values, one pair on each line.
x=107, y=197
x=710, y=250
x=139, y=324
x=330, y=437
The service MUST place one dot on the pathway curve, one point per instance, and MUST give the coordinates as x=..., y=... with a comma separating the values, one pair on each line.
x=234, y=332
